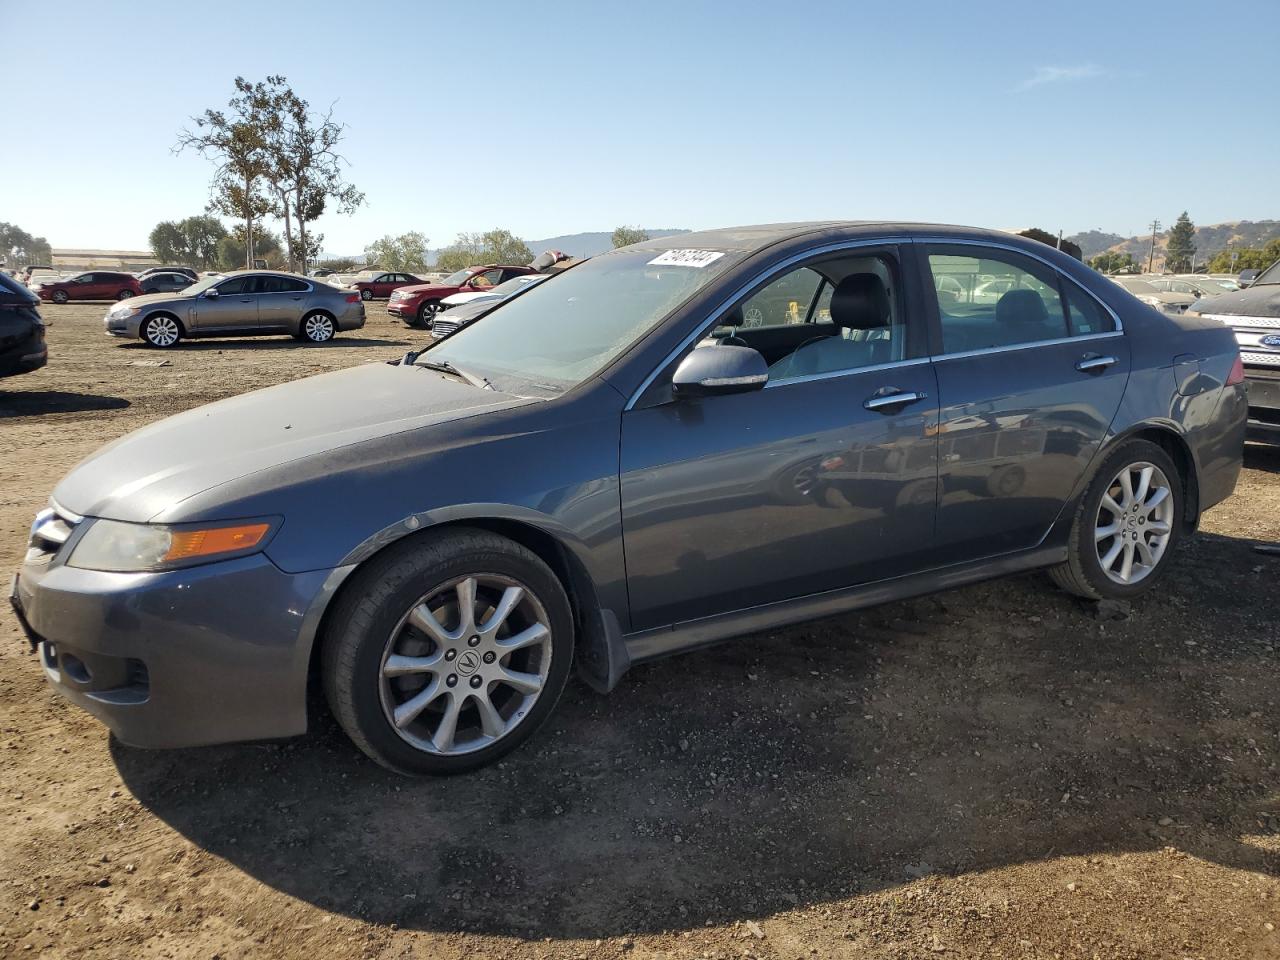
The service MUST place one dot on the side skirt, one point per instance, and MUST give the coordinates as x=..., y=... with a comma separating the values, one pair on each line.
x=692, y=634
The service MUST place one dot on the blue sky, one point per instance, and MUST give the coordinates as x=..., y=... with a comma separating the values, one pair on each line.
x=549, y=118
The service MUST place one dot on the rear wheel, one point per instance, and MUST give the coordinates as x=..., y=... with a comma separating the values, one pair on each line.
x=446, y=653
x=161, y=331
x=1126, y=526
x=317, y=328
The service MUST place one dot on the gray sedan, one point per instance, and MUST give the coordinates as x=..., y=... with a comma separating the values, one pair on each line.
x=243, y=304
x=613, y=467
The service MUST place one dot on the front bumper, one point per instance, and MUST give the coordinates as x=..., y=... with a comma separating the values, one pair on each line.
x=208, y=654
x=403, y=309
x=31, y=357
x=1264, y=404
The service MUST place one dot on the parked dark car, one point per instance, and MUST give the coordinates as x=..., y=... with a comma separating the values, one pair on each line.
x=185, y=271
x=22, y=340
x=165, y=282
x=417, y=305
x=245, y=303
x=1253, y=313
x=381, y=286
x=438, y=540
x=94, y=285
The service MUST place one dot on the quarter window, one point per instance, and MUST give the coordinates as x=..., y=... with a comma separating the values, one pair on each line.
x=995, y=299
x=1084, y=314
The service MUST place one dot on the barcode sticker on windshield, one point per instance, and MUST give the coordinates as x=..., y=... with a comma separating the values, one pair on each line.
x=686, y=258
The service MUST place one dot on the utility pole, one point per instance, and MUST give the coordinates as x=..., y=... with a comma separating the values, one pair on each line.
x=1155, y=225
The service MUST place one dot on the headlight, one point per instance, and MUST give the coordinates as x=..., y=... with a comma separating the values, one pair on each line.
x=122, y=312
x=139, y=547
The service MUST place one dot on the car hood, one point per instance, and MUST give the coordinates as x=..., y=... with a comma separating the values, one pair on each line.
x=431, y=289
x=1263, y=301
x=154, y=469
x=149, y=299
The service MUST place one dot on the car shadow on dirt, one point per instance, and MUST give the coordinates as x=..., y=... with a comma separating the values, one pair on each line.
x=1260, y=456
x=266, y=343
x=994, y=725
x=33, y=403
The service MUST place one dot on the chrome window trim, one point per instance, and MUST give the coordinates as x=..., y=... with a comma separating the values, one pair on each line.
x=1028, y=345
x=997, y=245
x=719, y=311
x=849, y=372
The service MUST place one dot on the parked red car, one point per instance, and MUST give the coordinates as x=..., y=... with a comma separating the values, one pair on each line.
x=380, y=287
x=416, y=306
x=98, y=285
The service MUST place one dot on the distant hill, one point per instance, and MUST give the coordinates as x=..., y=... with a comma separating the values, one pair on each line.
x=1209, y=240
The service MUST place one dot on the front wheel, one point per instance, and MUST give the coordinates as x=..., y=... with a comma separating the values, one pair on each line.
x=161, y=331
x=427, y=313
x=124, y=294
x=60, y=296
x=447, y=652
x=1126, y=526
x=366, y=294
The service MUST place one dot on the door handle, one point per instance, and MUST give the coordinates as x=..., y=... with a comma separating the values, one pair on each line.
x=1090, y=364
x=247, y=300
x=890, y=401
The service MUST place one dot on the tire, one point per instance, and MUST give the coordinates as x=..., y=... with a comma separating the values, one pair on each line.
x=366, y=294
x=317, y=327
x=375, y=619
x=124, y=294
x=1083, y=572
x=161, y=331
x=59, y=296
x=427, y=313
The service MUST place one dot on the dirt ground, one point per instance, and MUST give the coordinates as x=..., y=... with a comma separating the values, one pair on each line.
x=993, y=772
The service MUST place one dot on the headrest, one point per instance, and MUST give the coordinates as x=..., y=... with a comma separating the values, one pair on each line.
x=731, y=318
x=1021, y=306
x=860, y=302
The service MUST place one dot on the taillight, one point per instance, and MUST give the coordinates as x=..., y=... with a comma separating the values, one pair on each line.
x=353, y=298
x=1237, y=372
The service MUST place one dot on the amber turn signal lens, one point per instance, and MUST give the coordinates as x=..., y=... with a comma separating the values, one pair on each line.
x=186, y=544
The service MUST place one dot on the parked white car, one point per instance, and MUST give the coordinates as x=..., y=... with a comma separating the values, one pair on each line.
x=492, y=293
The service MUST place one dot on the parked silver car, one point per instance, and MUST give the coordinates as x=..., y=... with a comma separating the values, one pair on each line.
x=241, y=304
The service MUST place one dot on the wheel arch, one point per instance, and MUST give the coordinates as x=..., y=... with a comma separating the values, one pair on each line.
x=313, y=310
x=600, y=653
x=161, y=312
x=1172, y=442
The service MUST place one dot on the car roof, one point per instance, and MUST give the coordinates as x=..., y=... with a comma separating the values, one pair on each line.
x=265, y=273
x=754, y=237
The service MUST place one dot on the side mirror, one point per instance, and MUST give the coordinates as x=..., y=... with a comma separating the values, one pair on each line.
x=212, y=293
x=714, y=370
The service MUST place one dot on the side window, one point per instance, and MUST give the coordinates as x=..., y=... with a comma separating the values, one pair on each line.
x=1084, y=314
x=511, y=274
x=235, y=286
x=290, y=285
x=830, y=316
x=994, y=298
x=787, y=300
x=271, y=285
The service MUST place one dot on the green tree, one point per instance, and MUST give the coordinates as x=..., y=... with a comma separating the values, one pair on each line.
x=1180, y=247
x=1112, y=262
x=337, y=264
x=1246, y=258
x=232, y=253
x=625, y=236
x=19, y=248
x=234, y=141
x=407, y=252
x=493, y=246
x=190, y=242
x=1045, y=237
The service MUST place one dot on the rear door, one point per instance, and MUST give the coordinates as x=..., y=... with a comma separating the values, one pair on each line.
x=235, y=308
x=824, y=479
x=1029, y=380
x=281, y=301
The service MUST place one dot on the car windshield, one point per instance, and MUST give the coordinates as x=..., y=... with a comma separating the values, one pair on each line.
x=456, y=279
x=200, y=286
x=1140, y=286
x=556, y=335
x=1269, y=275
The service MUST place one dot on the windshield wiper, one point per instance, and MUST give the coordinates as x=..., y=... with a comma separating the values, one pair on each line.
x=444, y=366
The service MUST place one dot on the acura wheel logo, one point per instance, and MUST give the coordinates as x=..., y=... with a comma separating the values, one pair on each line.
x=468, y=663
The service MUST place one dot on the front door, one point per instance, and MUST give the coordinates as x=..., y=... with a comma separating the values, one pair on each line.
x=234, y=308
x=1030, y=375
x=824, y=479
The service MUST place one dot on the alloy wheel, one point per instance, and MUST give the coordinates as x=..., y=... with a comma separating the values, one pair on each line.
x=60, y=296
x=162, y=331
x=366, y=294
x=465, y=664
x=124, y=295
x=1134, y=523
x=318, y=328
